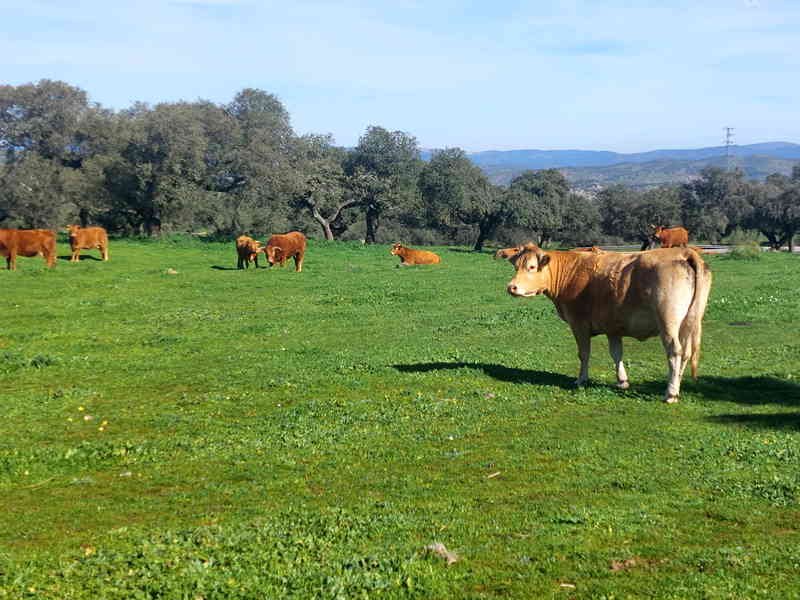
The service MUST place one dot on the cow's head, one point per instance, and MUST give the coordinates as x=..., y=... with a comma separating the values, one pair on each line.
x=533, y=272
x=395, y=249
x=274, y=254
x=73, y=229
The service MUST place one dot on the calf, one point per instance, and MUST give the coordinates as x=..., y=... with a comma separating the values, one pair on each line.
x=414, y=257
x=638, y=294
x=282, y=247
x=247, y=250
x=27, y=242
x=671, y=238
x=86, y=238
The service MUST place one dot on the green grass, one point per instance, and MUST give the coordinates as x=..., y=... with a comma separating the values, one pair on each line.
x=262, y=433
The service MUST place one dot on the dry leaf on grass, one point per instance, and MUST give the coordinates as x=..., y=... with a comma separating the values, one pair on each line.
x=439, y=548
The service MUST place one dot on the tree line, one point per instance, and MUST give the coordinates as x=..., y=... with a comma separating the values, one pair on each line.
x=239, y=168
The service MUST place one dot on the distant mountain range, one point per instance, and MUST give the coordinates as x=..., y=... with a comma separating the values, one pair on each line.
x=590, y=168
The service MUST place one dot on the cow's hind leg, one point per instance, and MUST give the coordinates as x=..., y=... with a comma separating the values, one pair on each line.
x=298, y=262
x=584, y=341
x=104, y=252
x=676, y=363
x=615, y=349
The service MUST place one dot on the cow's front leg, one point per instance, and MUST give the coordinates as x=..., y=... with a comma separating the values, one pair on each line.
x=615, y=349
x=584, y=340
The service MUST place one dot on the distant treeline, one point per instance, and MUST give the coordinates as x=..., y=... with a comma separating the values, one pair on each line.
x=239, y=168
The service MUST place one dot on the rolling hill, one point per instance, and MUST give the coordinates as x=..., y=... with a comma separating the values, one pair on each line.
x=590, y=168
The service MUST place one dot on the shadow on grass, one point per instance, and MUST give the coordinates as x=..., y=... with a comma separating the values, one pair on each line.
x=753, y=391
x=498, y=372
x=466, y=250
x=787, y=421
x=82, y=257
x=219, y=268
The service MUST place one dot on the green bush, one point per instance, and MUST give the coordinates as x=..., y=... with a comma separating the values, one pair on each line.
x=745, y=251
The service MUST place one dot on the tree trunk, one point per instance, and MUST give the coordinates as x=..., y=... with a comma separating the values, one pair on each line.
x=323, y=222
x=83, y=216
x=372, y=224
x=486, y=228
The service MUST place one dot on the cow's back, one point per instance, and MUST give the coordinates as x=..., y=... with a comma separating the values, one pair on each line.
x=620, y=293
x=291, y=242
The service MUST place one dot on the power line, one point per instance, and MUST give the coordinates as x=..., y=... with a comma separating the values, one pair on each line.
x=728, y=144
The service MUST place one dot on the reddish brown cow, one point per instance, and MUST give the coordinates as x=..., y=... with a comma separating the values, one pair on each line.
x=282, y=247
x=247, y=250
x=637, y=294
x=507, y=253
x=27, y=242
x=414, y=257
x=87, y=238
x=671, y=238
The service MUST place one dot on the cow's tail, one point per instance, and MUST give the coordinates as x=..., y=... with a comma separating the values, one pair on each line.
x=692, y=326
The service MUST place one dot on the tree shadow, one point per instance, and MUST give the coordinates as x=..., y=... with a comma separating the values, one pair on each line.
x=81, y=257
x=499, y=372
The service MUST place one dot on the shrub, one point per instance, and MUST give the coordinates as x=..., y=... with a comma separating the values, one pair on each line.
x=745, y=251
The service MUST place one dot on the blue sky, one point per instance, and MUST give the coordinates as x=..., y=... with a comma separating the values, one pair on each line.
x=622, y=75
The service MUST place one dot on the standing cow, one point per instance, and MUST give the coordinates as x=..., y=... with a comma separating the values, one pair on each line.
x=87, y=238
x=27, y=242
x=282, y=247
x=247, y=250
x=673, y=237
x=640, y=294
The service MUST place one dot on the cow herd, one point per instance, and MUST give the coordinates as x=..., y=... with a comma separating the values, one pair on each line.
x=42, y=242
x=660, y=292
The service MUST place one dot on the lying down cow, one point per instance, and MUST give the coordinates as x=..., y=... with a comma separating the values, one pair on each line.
x=640, y=294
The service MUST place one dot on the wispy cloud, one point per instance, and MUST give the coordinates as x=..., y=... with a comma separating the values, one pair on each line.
x=479, y=75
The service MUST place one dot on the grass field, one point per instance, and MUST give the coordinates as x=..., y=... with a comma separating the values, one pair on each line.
x=266, y=434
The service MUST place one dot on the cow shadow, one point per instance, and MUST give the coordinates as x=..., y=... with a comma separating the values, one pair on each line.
x=220, y=268
x=81, y=257
x=499, y=372
x=750, y=391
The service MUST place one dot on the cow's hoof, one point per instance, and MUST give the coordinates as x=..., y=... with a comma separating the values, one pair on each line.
x=623, y=385
x=671, y=399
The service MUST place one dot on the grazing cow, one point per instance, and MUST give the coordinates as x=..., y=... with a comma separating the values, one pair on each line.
x=671, y=238
x=282, y=247
x=414, y=257
x=247, y=250
x=637, y=294
x=27, y=242
x=87, y=238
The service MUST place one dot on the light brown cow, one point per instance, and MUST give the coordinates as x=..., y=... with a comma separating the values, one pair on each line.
x=638, y=294
x=247, y=250
x=27, y=242
x=282, y=247
x=671, y=238
x=414, y=257
x=87, y=238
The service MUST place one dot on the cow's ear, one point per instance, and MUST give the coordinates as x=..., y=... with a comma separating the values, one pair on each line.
x=543, y=259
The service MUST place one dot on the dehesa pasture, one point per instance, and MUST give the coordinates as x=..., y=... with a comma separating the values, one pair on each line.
x=173, y=427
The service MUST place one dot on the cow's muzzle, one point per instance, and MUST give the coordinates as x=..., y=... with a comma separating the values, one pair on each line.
x=515, y=290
